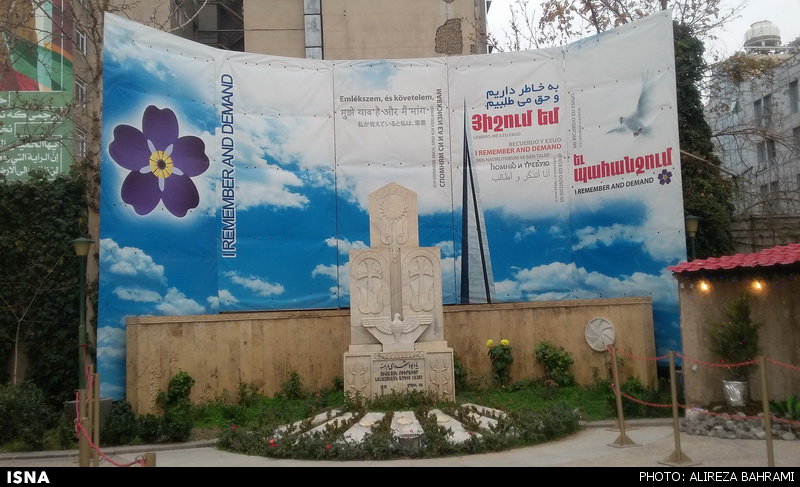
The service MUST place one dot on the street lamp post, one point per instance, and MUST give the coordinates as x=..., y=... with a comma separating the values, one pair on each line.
x=692, y=222
x=82, y=246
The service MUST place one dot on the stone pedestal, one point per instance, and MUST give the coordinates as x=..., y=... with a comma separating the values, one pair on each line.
x=396, y=320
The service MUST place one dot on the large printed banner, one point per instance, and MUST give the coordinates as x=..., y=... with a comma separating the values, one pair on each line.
x=236, y=181
x=36, y=89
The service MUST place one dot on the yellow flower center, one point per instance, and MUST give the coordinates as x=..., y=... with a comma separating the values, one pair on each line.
x=161, y=164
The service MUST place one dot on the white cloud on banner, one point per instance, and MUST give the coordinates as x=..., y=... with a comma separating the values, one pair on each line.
x=137, y=295
x=226, y=297
x=287, y=142
x=176, y=303
x=110, y=342
x=344, y=246
x=451, y=274
x=658, y=234
x=520, y=235
x=120, y=45
x=268, y=185
x=255, y=284
x=447, y=247
x=542, y=283
x=129, y=261
x=335, y=272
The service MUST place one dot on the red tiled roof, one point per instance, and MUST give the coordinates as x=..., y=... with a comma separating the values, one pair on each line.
x=780, y=255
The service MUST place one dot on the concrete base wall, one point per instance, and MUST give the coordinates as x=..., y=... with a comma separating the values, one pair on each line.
x=222, y=351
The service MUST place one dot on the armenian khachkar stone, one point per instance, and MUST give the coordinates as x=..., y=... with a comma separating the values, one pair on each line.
x=396, y=321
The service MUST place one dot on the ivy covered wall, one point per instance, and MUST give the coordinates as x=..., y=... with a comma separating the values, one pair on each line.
x=39, y=281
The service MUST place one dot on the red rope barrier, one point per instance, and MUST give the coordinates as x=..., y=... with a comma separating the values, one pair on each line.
x=786, y=421
x=651, y=404
x=633, y=357
x=701, y=411
x=781, y=364
x=81, y=430
x=85, y=433
x=709, y=364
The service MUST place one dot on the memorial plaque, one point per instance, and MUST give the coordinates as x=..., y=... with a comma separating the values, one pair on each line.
x=399, y=372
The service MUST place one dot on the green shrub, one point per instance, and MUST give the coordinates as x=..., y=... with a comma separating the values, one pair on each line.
x=460, y=373
x=293, y=387
x=149, y=427
x=120, y=427
x=24, y=415
x=735, y=340
x=501, y=358
x=248, y=394
x=787, y=409
x=178, y=390
x=556, y=361
x=177, y=425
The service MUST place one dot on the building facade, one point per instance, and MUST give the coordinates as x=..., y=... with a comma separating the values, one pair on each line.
x=756, y=119
x=336, y=29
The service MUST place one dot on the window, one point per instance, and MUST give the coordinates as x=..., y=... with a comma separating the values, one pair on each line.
x=796, y=139
x=180, y=18
x=80, y=41
x=761, y=154
x=771, y=152
x=767, y=109
x=758, y=111
x=762, y=109
x=794, y=97
x=80, y=143
x=80, y=91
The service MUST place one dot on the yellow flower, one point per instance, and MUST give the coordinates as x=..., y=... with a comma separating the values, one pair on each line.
x=505, y=342
x=490, y=343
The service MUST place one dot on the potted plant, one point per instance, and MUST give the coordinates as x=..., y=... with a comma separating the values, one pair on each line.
x=734, y=341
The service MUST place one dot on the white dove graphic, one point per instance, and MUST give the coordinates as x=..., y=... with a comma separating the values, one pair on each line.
x=635, y=122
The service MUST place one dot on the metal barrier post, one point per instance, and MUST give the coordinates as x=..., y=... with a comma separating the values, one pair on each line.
x=762, y=366
x=678, y=458
x=622, y=440
x=96, y=418
x=83, y=442
x=149, y=459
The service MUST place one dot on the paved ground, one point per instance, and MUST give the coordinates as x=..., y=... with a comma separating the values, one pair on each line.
x=588, y=447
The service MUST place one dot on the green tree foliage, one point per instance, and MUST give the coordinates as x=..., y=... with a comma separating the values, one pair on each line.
x=39, y=281
x=705, y=193
x=735, y=340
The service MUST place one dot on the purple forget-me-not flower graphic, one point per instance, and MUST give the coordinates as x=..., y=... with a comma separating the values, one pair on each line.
x=665, y=177
x=161, y=164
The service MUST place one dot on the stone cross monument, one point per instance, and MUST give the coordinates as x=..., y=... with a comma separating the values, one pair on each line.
x=396, y=321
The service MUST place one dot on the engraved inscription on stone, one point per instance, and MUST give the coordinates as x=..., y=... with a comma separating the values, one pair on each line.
x=399, y=375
